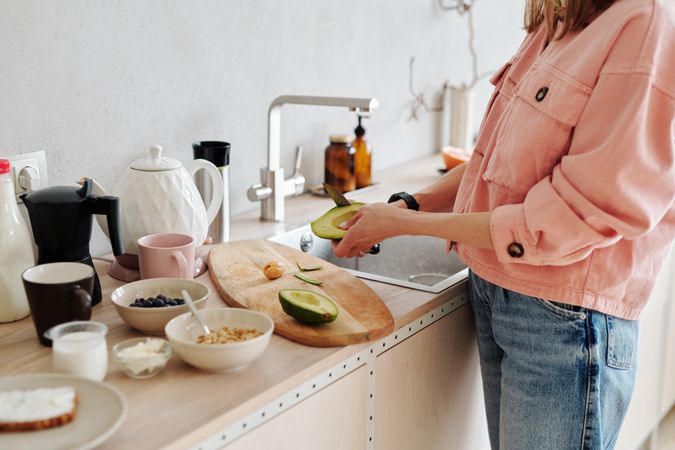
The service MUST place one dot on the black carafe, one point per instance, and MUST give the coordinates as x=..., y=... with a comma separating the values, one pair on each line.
x=60, y=217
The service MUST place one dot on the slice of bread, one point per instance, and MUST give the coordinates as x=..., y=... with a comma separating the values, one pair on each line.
x=37, y=409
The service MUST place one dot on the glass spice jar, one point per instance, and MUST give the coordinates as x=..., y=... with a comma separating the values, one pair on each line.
x=339, y=163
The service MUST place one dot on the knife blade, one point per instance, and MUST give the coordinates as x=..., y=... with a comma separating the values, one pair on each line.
x=336, y=195
x=341, y=200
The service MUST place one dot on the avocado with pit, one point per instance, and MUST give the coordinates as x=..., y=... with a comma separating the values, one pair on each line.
x=328, y=225
x=308, y=306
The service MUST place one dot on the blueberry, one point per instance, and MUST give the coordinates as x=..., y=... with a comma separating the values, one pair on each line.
x=171, y=303
x=180, y=301
x=160, y=302
x=134, y=305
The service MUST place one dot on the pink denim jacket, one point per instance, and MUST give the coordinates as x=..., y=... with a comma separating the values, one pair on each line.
x=575, y=160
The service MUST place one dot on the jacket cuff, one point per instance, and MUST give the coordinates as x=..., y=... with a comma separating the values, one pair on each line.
x=511, y=238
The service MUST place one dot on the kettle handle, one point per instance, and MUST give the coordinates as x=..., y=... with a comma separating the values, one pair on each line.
x=216, y=182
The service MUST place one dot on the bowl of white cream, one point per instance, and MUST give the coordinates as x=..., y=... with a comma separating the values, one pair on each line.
x=142, y=357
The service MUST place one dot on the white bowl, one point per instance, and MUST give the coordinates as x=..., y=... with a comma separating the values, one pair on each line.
x=152, y=320
x=141, y=365
x=183, y=331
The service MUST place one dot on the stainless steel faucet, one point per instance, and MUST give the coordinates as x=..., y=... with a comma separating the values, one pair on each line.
x=273, y=188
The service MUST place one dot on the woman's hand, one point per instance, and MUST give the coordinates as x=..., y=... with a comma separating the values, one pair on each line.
x=370, y=225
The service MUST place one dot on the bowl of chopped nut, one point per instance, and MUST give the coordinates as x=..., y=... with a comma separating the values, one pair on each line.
x=237, y=337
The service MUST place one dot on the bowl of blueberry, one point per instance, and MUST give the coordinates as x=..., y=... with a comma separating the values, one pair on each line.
x=147, y=305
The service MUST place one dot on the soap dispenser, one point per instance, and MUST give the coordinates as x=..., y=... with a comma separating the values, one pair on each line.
x=362, y=156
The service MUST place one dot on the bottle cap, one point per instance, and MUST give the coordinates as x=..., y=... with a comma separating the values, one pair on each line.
x=216, y=152
x=340, y=139
x=4, y=166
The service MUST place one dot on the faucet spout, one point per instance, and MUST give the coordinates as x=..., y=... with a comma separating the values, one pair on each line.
x=274, y=188
x=274, y=117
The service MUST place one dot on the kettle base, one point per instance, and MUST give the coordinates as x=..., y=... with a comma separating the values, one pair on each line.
x=122, y=273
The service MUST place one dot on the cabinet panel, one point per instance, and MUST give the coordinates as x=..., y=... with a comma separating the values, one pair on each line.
x=332, y=419
x=668, y=380
x=643, y=413
x=428, y=392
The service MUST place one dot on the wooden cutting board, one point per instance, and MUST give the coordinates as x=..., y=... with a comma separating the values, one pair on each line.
x=236, y=271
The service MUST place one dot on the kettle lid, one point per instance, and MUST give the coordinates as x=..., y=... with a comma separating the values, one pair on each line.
x=156, y=162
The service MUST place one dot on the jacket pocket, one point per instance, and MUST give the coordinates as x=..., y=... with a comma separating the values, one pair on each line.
x=622, y=338
x=570, y=312
x=503, y=87
x=536, y=129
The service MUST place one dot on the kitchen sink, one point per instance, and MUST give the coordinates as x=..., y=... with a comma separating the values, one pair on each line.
x=415, y=262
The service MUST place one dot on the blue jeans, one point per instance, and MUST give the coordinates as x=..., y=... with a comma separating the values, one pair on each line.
x=555, y=376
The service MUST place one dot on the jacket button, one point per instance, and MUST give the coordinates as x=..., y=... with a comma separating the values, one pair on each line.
x=515, y=250
x=541, y=94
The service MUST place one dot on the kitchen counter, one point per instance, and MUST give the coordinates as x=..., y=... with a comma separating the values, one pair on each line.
x=183, y=406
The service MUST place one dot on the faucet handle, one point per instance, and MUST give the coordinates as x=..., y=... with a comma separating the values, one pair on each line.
x=258, y=192
x=298, y=160
x=296, y=182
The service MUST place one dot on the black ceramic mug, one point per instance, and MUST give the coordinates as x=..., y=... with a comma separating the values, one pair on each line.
x=57, y=293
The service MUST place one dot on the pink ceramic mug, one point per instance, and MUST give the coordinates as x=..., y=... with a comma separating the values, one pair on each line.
x=166, y=255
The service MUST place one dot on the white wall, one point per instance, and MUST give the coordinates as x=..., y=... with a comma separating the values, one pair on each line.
x=93, y=83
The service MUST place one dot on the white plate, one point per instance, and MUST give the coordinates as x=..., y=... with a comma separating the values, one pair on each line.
x=101, y=410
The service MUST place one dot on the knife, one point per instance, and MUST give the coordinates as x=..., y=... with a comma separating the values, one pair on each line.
x=336, y=195
x=341, y=200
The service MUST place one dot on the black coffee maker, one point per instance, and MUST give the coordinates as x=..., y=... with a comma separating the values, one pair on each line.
x=60, y=217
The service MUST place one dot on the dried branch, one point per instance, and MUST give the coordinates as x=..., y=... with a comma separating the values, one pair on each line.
x=472, y=50
x=419, y=102
x=461, y=7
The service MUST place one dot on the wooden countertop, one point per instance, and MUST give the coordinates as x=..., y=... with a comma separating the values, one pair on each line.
x=183, y=405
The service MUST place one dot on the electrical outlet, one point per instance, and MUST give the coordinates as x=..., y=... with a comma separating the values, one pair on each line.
x=29, y=172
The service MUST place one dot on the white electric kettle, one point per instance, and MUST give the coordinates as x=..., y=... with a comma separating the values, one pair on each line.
x=157, y=195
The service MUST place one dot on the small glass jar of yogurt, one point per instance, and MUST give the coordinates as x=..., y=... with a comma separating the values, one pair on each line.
x=80, y=348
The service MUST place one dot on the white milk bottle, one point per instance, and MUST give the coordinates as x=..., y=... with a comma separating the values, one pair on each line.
x=16, y=251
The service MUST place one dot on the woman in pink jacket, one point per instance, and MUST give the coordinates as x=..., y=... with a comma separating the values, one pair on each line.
x=564, y=215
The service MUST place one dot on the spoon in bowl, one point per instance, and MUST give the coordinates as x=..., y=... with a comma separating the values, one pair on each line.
x=191, y=305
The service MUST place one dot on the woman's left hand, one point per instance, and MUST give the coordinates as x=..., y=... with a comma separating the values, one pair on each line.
x=370, y=225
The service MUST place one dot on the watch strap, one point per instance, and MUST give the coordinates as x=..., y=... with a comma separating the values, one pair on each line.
x=409, y=200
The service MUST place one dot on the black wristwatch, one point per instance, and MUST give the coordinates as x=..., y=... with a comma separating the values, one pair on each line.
x=409, y=200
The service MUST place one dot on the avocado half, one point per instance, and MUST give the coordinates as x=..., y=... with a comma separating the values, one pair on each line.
x=308, y=306
x=328, y=225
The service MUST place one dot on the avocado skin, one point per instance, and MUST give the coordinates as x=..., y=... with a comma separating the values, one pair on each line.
x=302, y=315
x=323, y=227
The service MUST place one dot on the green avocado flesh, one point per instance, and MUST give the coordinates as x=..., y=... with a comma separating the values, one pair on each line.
x=307, y=279
x=308, y=306
x=328, y=225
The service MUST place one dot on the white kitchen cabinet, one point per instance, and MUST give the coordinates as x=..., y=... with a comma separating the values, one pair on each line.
x=646, y=408
x=331, y=419
x=428, y=392
x=668, y=380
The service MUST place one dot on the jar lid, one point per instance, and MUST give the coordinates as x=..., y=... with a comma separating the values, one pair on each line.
x=156, y=162
x=340, y=139
x=4, y=166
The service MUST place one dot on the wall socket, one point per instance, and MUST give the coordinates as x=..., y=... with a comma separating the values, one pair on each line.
x=29, y=172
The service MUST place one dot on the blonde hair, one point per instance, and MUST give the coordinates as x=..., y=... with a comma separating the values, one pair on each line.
x=561, y=16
